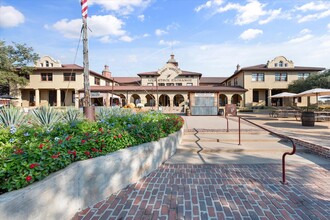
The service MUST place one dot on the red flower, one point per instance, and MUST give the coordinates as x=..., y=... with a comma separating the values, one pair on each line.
x=87, y=153
x=60, y=142
x=74, y=153
x=41, y=146
x=94, y=149
x=68, y=138
x=115, y=137
x=119, y=136
x=83, y=141
x=100, y=129
x=28, y=178
x=87, y=134
x=55, y=156
x=33, y=165
x=19, y=151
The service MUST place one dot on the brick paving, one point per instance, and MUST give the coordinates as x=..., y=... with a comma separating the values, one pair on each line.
x=219, y=191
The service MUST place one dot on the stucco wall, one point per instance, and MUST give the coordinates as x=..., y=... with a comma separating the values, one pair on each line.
x=84, y=183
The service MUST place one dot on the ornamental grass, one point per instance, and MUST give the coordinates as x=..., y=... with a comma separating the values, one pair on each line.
x=31, y=151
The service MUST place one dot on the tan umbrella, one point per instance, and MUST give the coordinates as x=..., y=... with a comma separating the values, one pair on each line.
x=315, y=92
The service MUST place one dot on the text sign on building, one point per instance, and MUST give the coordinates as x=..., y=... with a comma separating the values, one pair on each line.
x=95, y=94
x=204, y=94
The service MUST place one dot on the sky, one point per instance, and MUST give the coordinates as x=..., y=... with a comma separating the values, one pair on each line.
x=206, y=36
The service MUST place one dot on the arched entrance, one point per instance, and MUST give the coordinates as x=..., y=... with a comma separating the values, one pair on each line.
x=236, y=99
x=123, y=101
x=135, y=98
x=164, y=100
x=178, y=100
x=223, y=100
x=150, y=100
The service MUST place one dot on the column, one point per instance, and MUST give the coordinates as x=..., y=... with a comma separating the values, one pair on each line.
x=37, y=97
x=76, y=99
x=107, y=100
x=269, y=99
x=58, y=97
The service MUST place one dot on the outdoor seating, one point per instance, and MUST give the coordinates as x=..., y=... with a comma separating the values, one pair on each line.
x=285, y=113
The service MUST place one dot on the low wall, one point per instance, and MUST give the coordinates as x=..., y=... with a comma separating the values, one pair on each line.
x=83, y=183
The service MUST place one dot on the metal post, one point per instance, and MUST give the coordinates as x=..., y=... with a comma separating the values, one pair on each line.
x=111, y=103
x=227, y=124
x=239, y=130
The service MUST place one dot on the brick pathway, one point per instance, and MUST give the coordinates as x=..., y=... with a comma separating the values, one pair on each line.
x=221, y=192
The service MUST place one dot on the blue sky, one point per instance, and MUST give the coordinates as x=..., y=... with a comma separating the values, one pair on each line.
x=211, y=37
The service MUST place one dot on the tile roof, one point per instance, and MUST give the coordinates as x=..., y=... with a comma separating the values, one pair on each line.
x=212, y=79
x=155, y=73
x=127, y=79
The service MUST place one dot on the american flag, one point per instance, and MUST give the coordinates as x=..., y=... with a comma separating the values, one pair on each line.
x=84, y=8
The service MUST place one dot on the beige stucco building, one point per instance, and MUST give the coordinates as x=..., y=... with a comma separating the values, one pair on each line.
x=168, y=88
x=265, y=80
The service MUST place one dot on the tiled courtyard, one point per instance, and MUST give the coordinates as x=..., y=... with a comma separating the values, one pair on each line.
x=221, y=192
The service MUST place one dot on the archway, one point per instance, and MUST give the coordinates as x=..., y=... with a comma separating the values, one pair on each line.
x=164, y=100
x=135, y=98
x=223, y=100
x=150, y=100
x=123, y=101
x=236, y=99
x=178, y=100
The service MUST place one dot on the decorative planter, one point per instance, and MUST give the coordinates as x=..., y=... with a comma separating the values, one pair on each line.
x=83, y=183
x=308, y=119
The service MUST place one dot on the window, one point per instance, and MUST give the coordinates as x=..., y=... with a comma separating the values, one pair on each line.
x=255, y=96
x=275, y=64
x=97, y=81
x=229, y=83
x=189, y=84
x=47, y=63
x=258, y=77
x=150, y=84
x=161, y=84
x=69, y=76
x=107, y=83
x=169, y=84
x=235, y=82
x=303, y=75
x=178, y=84
x=286, y=65
x=281, y=77
x=280, y=63
x=46, y=77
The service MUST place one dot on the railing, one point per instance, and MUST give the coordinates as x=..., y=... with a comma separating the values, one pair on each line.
x=272, y=132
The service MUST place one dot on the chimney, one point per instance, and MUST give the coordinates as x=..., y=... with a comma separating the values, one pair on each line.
x=106, y=72
x=238, y=67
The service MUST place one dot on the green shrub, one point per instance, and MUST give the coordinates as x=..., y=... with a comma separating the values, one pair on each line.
x=46, y=117
x=12, y=117
x=33, y=152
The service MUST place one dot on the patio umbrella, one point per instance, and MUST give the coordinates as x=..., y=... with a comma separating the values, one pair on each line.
x=314, y=92
x=283, y=95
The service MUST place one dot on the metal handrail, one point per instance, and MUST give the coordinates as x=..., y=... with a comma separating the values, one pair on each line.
x=279, y=135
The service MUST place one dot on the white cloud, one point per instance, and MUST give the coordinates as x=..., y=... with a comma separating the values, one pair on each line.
x=301, y=39
x=10, y=17
x=146, y=35
x=209, y=4
x=168, y=43
x=100, y=26
x=250, y=34
x=141, y=17
x=315, y=16
x=126, y=38
x=124, y=7
x=305, y=31
x=273, y=15
x=105, y=39
x=314, y=6
x=160, y=32
x=329, y=27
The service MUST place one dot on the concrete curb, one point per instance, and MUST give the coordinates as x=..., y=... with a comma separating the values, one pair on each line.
x=81, y=184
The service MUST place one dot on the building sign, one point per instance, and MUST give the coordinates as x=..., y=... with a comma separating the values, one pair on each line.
x=173, y=80
x=204, y=94
x=95, y=94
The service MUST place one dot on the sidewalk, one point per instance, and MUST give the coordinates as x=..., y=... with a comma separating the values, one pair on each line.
x=212, y=177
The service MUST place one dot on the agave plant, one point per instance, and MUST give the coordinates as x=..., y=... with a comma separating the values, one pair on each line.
x=72, y=115
x=12, y=117
x=46, y=117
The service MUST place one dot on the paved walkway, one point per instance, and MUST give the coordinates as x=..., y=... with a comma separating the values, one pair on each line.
x=212, y=177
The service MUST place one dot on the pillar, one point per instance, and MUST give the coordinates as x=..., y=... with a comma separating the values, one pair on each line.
x=269, y=98
x=37, y=97
x=76, y=99
x=58, y=97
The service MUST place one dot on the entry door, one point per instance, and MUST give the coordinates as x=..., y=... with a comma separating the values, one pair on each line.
x=52, y=97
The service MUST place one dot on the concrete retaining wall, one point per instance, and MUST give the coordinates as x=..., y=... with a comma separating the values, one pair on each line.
x=83, y=183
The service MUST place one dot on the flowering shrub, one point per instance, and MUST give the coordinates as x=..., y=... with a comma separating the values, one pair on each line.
x=29, y=153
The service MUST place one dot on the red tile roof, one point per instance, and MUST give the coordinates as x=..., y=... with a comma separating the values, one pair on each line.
x=155, y=73
x=212, y=79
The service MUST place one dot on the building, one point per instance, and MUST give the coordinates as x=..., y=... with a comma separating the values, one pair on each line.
x=169, y=88
x=264, y=80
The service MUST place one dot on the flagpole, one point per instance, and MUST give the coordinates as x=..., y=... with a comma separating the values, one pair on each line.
x=87, y=108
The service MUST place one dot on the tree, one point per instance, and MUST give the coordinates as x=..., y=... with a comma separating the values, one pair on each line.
x=321, y=80
x=14, y=69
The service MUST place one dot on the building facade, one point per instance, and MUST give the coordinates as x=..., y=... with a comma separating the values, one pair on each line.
x=169, y=88
x=264, y=80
